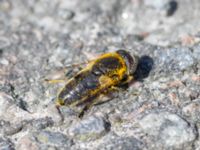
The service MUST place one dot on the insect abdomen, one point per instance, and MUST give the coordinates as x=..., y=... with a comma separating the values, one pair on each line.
x=79, y=88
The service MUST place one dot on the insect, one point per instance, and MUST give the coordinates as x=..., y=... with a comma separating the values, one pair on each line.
x=107, y=72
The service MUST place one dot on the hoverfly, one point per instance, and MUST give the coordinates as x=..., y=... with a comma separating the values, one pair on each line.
x=101, y=75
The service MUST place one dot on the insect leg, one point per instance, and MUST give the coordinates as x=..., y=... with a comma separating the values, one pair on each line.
x=80, y=115
x=90, y=58
x=129, y=79
x=56, y=76
x=125, y=84
x=113, y=89
x=92, y=101
x=54, y=81
x=90, y=55
x=59, y=112
x=75, y=65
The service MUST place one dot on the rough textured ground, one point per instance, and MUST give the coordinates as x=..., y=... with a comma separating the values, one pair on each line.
x=161, y=110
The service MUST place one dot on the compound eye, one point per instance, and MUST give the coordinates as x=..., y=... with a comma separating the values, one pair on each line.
x=131, y=61
x=133, y=65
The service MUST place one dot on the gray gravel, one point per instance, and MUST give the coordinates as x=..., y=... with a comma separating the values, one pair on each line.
x=90, y=128
x=44, y=140
x=121, y=143
x=169, y=130
x=160, y=110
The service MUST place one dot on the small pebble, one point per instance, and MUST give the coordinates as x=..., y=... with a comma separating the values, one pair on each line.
x=89, y=128
x=169, y=129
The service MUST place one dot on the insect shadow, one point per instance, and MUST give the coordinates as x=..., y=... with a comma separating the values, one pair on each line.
x=145, y=65
x=172, y=7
